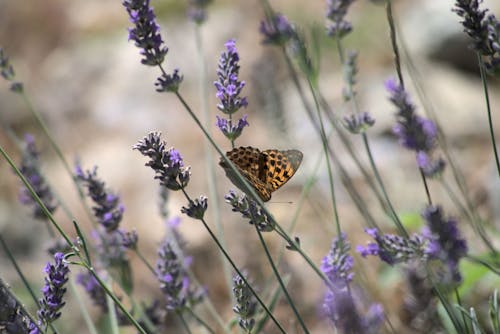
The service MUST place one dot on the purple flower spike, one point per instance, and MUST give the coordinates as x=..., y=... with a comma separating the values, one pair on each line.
x=30, y=168
x=146, y=31
x=392, y=248
x=228, y=85
x=337, y=264
x=414, y=132
x=231, y=131
x=336, y=12
x=108, y=209
x=167, y=163
x=446, y=243
x=277, y=30
x=54, y=290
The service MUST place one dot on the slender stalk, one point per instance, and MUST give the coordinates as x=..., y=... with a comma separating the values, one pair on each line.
x=69, y=241
x=201, y=321
x=209, y=160
x=488, y=111
x=184, y=323
x=392, y=29
x=280, y=281
x=18, y=270
x=221, y=248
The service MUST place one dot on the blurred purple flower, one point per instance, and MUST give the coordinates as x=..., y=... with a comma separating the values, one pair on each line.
x=357, y=123
x=169, y=82
x=392, y=248
x=30, y=168
x=276, y=30
x=337, y=264
x=197, y=10
x=8, y=73
x=93, y=289
x=446, y=243
x=336, y=12
x=413, y=131
x=174, y=281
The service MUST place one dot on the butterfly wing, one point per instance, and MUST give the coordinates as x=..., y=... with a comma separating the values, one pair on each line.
x=249, y=161
x=280, y=166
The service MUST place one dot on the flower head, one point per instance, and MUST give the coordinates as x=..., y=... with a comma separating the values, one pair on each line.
x=174, y=281
x=229, y=129
x=337, y=264
x=30, y=168
x=169, y=82
x=336, y=12
x=276, y=30
x=228, y=85
x=392, y=248
x=7, y=72
x=250, y=209
x=108, y=208
x=196, y=209
x=357, y=123
x=167, y=163
x=484, y=31
x=246, y=304
x=54, y=290
x=413, y=131
x=145, y=32
x=197, y=10
x=446, y=243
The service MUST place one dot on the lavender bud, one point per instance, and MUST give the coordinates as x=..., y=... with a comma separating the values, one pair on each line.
x=169, y=82
x=246, y=304
x=196, y=209
x=357, y=123
x=277, y=30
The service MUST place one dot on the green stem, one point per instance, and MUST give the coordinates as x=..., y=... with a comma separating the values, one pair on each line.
x=488, y=110
x=184, y=323
x=209, y=160
x=200, y=320
x=280, y=281
x=226, y=255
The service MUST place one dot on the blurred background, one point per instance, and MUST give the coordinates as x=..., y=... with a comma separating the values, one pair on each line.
x=86, y=80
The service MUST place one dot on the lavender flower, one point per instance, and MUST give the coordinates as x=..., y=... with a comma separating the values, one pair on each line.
x=228, y=85
x=174, y=281
x=357, y=123
x=93, y=289
x=336, y=12
x=197, y=10
x=167, y=163
x=251, y=210
x=54, y=290
x=169, y=82
x=230, y=130
x=30, y=168
x=446, y=243
x=129, y=239
x=108, y=209
x=483, y=30
x=276, y=30
x=413, y=131
x=196, y=209
x=340, y=305
x=146, y=32
x=7, y=72
x=246, y=304
x=392, y=248
x=342, y=309
x=350, y=71
x=111, y=247
x=12, y=315
x=337, y=264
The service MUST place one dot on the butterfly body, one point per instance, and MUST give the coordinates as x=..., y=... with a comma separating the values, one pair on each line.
x=265, y=170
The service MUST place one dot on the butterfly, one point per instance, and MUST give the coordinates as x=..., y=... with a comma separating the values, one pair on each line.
x=265, y=170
